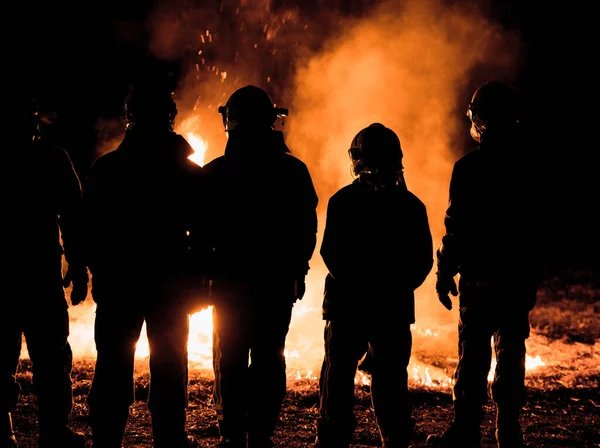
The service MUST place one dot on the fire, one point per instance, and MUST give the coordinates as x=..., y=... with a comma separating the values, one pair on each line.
x=189, y=129
x=199, y=341
x=199, y=146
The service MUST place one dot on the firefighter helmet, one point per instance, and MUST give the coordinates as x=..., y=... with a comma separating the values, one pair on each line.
x=252, y=107
x=148, y=104
x=493, y=104
x=376, y=149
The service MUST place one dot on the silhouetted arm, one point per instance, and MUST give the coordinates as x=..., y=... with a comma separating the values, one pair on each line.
x=89, y=221
x=448, y=253
x=69, y=209
x=422, y=261
x=308, y=217
x=334, y=244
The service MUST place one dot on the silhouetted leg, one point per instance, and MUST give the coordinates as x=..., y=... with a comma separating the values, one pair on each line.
x=390, y=348
x=231, y=346
x=117, y=330
x=345, y=344
x=474, y=361
x=475, y=329
x=469, y=394
x=267, y=369
x=10, y=350
x=508, y=388
x=46, y=335
x=168, y=331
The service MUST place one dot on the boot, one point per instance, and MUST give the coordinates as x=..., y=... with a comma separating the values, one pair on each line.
x=169, y=429
x=508, y=428
x=455, y=437
x=64, y=438
x=334, y=435
x=11, y=440
x=464, y=431
x=108, y=430
x=398, y=437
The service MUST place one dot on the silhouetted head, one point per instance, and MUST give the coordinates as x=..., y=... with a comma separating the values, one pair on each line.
x=250, y=108
x=493, y=109
x=150, y=106
x=375, y=151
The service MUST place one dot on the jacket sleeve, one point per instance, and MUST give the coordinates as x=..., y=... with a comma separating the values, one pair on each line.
x=308, y=219
x=89, y=233
x=422, y=262
x=448, y=252
x=70, y=210
x=333, y=246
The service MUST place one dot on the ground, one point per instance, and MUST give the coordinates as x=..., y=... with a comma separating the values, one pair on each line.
x=563, y=408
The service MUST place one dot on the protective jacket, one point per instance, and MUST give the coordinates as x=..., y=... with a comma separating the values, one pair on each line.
x=490, y=237
x=42, y=209
x=141, y=203
x=262, y=205
x=378, y=249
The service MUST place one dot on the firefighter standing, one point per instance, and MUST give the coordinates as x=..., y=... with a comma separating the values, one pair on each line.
x=378, y=249
x=489, y=242
x=263, y=226
x=40, y=209
x=139, y=202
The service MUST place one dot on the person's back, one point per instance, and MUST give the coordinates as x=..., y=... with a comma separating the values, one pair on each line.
x=41, y=223
x=491, y=241
x=262, y=231
x=377, y=247
x=490, y=213
x=261, y=195
x=376, y=250
x=141, y=203
x=48, y=187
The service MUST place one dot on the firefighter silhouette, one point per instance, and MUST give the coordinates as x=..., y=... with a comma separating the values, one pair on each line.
x=378, y=249
x=490, y=241
x=263, y=226
x=140, y=201
x=40, y=209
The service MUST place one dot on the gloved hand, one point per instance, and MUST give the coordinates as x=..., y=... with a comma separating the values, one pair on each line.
x=78, y=276
x=299, y=288
x=444, y=286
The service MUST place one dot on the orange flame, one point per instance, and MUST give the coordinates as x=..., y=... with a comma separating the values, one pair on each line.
x=199, y=146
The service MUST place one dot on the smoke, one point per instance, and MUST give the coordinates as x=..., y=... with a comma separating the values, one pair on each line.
x=409, y=65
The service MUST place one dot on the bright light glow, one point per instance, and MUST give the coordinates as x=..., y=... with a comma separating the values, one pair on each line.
x=199, y=146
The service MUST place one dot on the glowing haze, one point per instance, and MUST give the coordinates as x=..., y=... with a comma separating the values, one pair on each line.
x=404, y=64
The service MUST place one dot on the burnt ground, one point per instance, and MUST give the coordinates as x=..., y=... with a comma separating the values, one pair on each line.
x=563, y=409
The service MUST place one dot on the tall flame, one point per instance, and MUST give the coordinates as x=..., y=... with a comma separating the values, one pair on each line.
x=199, y=146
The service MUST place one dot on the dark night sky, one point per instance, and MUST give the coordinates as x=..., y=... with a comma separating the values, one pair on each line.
x=83, y=57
